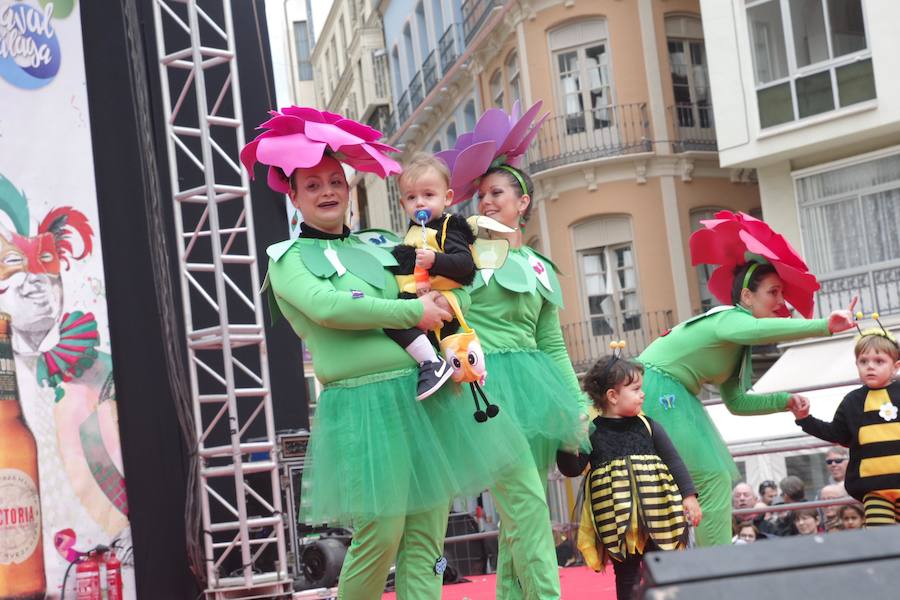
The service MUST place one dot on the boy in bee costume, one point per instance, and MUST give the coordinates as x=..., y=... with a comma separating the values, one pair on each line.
x=436, y=254
x=866, y=422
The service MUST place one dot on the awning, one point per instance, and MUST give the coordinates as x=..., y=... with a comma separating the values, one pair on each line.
x=735, y=429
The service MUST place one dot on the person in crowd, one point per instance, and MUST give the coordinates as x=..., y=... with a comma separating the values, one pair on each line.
x=742, y=496
x=768, y=491
x=836, y=461
x=806, y=521
x=378, y=460
x=866, y=422
x=745, y=533
x=715, y=348
x=830, y=517
x=852, y=516
x=793, y=490
x=638, y=495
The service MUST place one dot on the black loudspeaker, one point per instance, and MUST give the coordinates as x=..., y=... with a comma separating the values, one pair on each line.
x=846, y=564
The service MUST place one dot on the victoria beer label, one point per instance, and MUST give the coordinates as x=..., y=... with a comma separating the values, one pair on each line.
x=21, y=546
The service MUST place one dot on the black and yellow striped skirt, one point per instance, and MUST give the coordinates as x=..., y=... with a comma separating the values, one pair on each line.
x=634, y=499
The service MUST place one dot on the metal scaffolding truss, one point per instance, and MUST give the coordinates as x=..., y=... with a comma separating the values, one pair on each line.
x=244, y=543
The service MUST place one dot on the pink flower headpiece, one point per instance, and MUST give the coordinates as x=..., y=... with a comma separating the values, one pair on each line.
x=498, y=138
x=298, y=138
x=731, y=239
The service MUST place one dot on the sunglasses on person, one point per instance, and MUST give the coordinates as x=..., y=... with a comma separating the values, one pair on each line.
x=833, y=461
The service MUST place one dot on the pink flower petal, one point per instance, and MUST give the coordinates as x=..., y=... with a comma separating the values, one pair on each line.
x=359, y=130
x=523, y=146
x=472, y=163
x=331, y=117
x=248, y=156
x=517, y=133
x=277, y=181
x=289, y=152
x=332, y=135
x=464, y=141
x=449, y=157
x=493, y=125
x=304, y=112
x=285, y=124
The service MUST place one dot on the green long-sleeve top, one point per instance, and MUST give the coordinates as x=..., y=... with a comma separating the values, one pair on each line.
x=525, y=317
x=710, y=349
x=340, y=317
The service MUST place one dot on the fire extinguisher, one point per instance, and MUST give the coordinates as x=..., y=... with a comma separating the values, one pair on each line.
x=87, y=578
x=113, y=576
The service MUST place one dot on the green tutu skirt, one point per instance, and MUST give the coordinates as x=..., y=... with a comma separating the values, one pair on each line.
x=528, y=386
x=688, y=424
x=375, y=451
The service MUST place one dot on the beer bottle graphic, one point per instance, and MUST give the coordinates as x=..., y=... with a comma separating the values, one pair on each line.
x=21, y=545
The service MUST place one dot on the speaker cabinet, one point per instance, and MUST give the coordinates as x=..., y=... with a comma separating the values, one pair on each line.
x=847, y=564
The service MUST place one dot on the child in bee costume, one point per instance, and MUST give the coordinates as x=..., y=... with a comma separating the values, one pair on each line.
x=638, y=495
x=437, y=254
x=866, y=422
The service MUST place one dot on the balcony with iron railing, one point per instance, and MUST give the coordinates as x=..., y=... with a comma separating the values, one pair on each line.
x=450, y=47
x=403, y=107
x=475, y=13
x=429, y=72
x=589, y=135
x=587, y=341
x=878, y=288
x=383, y=120
x=415, y=91
x=694, y=127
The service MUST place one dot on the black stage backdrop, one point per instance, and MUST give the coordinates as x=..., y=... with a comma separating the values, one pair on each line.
x=131, y=172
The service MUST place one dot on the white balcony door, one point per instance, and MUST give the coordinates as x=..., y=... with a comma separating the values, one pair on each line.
x=690, y=73
x=584, y=85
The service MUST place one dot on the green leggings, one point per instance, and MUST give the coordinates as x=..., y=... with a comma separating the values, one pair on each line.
x=416, y=540
x=526, y=562
x=714, y=494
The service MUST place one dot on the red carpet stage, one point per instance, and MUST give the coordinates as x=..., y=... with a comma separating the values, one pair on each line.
x=578, y=583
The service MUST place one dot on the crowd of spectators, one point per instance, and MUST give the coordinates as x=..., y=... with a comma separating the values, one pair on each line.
x=766, y=523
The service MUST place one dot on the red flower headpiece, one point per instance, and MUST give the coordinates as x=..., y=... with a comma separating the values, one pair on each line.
x=727, y=241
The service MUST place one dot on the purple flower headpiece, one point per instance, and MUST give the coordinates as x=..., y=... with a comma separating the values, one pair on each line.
x=498, y=138
x=298, y=138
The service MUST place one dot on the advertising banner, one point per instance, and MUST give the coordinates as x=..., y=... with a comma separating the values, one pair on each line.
x=52, y=286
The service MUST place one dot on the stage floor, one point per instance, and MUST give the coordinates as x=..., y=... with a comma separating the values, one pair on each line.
x=578, y=583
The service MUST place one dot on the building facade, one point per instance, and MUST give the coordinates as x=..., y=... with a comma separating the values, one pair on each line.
x=350, y=71
x=806, y=94
x=626, y=165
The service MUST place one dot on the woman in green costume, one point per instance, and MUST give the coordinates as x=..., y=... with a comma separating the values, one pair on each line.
x=378, y=459
x=714, y=348
x=529, y=374
x=515, y=312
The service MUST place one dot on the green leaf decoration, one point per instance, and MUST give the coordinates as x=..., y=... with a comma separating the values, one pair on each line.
x=384, y=257
x=14, y=204
x=381, y=238
x=362, y=264
x=313, y=256
x=554, y=295
x=61, y=8
x=274, y=312
x=477, y=283
x=276, y=251
x=516, y=275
